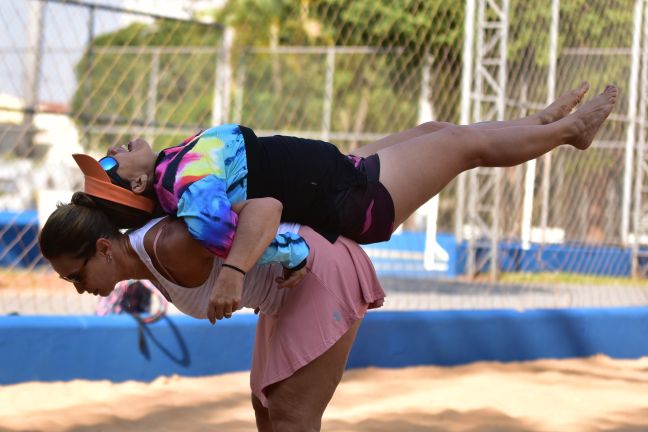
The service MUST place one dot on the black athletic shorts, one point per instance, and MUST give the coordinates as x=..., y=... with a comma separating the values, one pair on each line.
x=320, y=187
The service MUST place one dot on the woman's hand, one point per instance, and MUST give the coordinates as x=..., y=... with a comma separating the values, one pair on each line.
x=225, y=297
x=291, y=278
x=258, y=220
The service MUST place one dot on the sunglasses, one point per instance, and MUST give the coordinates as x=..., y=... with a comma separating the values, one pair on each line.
x=75, y=277
x=110, y=165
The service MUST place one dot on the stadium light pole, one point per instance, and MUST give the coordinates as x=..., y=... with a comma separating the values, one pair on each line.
x=33, y=73
x=434, y=257
x=220, y=107
x=632, y=121
x=489, y=100
x=640, y=173
x=329, y=90
x=466, y=88
x=531, y=166
x=551, y=92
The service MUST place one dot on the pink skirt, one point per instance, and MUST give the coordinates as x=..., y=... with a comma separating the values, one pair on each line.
x=339, y=288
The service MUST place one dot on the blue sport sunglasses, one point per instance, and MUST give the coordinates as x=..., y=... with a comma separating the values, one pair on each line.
x=110, y=165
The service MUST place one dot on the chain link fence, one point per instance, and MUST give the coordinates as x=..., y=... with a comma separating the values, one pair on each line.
x=80, y=76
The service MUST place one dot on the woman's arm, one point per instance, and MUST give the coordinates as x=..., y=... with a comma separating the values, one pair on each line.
x=189, y=263
x=257, y=226
x=258, y=223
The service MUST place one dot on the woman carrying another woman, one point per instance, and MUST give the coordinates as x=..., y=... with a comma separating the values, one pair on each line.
x=304, y=334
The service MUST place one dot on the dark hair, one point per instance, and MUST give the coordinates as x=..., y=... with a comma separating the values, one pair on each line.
x=74, y=228
x=123, y=216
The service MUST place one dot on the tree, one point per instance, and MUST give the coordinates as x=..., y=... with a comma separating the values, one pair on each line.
x=373, y=92
x=113, y=85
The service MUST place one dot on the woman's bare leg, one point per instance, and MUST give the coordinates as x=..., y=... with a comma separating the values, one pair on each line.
x=415, y=170
x=399, y=137
x=554, y=112
x=262, y=415
x=298, y=403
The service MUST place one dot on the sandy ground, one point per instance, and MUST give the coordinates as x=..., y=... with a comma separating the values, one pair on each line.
x=595, y=394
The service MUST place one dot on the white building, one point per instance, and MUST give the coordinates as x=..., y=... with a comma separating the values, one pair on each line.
x=46, y=164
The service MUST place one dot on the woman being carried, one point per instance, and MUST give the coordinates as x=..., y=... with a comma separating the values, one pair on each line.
x=362, y=197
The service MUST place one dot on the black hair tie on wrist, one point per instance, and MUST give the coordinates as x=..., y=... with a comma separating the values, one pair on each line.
x=234, y=268
x=299, y=266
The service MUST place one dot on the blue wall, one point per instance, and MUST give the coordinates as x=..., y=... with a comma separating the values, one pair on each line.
x=568, y=258
x=64, y=348
x=116, y=348
x=19, y=239
x=396, y=339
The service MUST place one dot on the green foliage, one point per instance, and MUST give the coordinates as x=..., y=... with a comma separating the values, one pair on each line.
x=113, y=86
x=599, y=24
x=267, y=23
x=411, y=24
x=375, y=92
x=372, y=92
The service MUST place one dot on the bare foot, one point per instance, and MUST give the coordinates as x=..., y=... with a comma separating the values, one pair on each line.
x=562, y=106
x=586, y=121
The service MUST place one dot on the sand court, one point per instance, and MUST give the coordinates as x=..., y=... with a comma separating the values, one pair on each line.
x=592, y=394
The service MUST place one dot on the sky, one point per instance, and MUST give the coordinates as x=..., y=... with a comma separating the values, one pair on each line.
x=65, y=36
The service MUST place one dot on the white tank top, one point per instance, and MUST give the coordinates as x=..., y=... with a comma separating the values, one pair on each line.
x=259, y=287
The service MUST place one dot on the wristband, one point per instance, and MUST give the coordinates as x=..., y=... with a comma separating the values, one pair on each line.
x=233, y=268
x=299, y=266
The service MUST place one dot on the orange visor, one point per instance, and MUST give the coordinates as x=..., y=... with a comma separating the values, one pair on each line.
x=97, y=183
